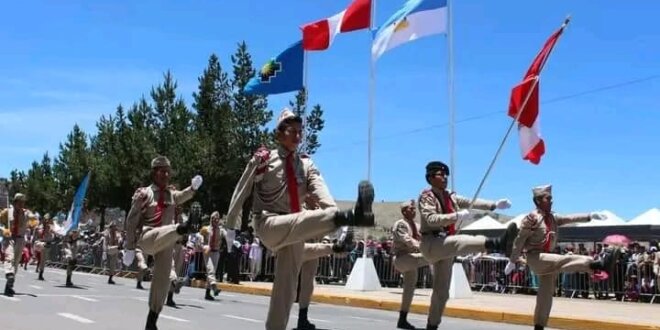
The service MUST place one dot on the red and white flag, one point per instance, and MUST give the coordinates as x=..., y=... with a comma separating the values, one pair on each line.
x=319, y=35
x=525, y=98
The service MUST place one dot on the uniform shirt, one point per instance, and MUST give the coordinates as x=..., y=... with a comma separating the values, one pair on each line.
x=110, y=240
x=404, y=242
x=432, y=210
x=219, y=234
x=538, y=232
x=147, y=212
x=71, y=244
x=266, y=180
x=45, y=234
x=15, y=220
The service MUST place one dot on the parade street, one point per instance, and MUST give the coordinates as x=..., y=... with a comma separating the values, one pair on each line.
x=96, y=305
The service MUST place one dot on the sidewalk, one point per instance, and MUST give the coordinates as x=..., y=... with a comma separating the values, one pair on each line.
x=577, y=314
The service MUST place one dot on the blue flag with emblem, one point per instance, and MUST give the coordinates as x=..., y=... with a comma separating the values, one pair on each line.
x=282, y=74
x=73, y=219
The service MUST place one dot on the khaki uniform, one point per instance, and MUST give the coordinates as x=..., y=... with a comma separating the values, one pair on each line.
x=155, y=231
x=141, y=264
x=43, y=243
x=111, y=242
x=212, y=253
x=407, y=259
x=438, y=248
x=311, y=254
x=280, y=230
x=15, y=221
x=538, y=235
x=70, y=252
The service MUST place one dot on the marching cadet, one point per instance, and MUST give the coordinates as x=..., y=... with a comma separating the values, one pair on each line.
x=44, y=239
x=278, y=181
x=176, y=274
x=70, y=251
x=151, y=225
x=212, y=239
x=15, y=221
x=142, y=266
x=312, y=253
x=439, y=212
x=538, y=235
x=111, y=242
x=407, y=258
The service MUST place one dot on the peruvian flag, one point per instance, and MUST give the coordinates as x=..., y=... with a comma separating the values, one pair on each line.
x=319, y=35
x=525, y=98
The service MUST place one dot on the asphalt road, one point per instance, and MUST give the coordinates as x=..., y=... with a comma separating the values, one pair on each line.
x=94, y=304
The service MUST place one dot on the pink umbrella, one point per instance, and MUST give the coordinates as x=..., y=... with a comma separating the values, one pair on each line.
x=617, y=240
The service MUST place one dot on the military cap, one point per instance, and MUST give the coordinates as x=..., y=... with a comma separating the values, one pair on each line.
x=435, y=166
x=160, y=161
x=285, y=115
x=20, y=197
x=215, y=214
x=544, y=190
x=410, y=203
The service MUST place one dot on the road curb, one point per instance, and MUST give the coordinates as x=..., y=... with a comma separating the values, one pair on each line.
x=457, y=312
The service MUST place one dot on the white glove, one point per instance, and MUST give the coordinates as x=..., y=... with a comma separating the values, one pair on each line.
x=231, y=235
x=502, y=204
x=196, y=182
x=129, y=255
x=462, y=215
x=597, y=216
x=510, y=266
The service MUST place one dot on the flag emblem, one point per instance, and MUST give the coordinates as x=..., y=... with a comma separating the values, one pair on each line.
x=401, y=25
x=270, y=70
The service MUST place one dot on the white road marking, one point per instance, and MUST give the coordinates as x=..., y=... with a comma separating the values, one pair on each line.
x=84, y=298
x=242, y=318
x=9, y=298
x=366, y=319
x=36, y=287
x=141, y=298
x=75, y=318
x=173, y=318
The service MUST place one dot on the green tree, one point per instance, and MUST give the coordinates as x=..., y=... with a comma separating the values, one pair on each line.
x=71, y=165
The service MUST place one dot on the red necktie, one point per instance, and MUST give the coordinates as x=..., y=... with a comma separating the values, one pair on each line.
x=14, y=225
x=414, y=230
x=449, y=208
x=160, y=208
x=548, y=238
x=292, y=185
x=213, y=237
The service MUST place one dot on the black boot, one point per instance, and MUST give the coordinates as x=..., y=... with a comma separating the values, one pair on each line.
x=538, y=327
x=362, y=214
x=431, y=327
x=41, y=275
x=608, y=262
x=110, y=281
x=139, y=285
x=346, y=243
x=69, y=284
x=151, y=321
x=170, y=299
x=504, y=243
x=403, y=322
x=303, y=322
x=9, y=286
x=208, y=295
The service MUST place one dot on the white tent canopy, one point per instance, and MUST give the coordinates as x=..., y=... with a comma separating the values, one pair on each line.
x=650, y=217
x=611, y=220
x=517, y=220
x=485, y=223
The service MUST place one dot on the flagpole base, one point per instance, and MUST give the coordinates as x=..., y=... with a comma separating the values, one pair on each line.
x=363, y=276
x=459, y=287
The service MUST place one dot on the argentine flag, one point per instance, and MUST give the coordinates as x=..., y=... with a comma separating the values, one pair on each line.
x=417, y=19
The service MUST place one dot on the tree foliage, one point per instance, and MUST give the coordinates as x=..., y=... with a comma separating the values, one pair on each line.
x=214, y=137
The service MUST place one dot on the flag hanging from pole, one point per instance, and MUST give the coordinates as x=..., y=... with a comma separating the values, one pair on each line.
x=282, y=74
x=524, y=103
x=417, y=19
x=73, y=219
x=320, y=34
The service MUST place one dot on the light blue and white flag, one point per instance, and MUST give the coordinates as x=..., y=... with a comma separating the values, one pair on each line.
x=73, y=219
x=417, y=19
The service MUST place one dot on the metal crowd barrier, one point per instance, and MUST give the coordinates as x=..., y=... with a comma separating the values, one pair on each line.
x=632, y=282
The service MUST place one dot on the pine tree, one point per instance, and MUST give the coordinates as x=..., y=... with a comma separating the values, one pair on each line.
x=71, y=166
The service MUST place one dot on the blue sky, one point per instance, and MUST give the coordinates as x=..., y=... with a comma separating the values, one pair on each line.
x=70, y=62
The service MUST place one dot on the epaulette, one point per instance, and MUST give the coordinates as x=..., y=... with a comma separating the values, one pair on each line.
x=530, y=220
x=140, y=193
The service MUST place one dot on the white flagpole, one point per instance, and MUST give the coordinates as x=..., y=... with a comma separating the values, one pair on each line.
x=372, y=105
x=450, y=91
x=305, y=87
